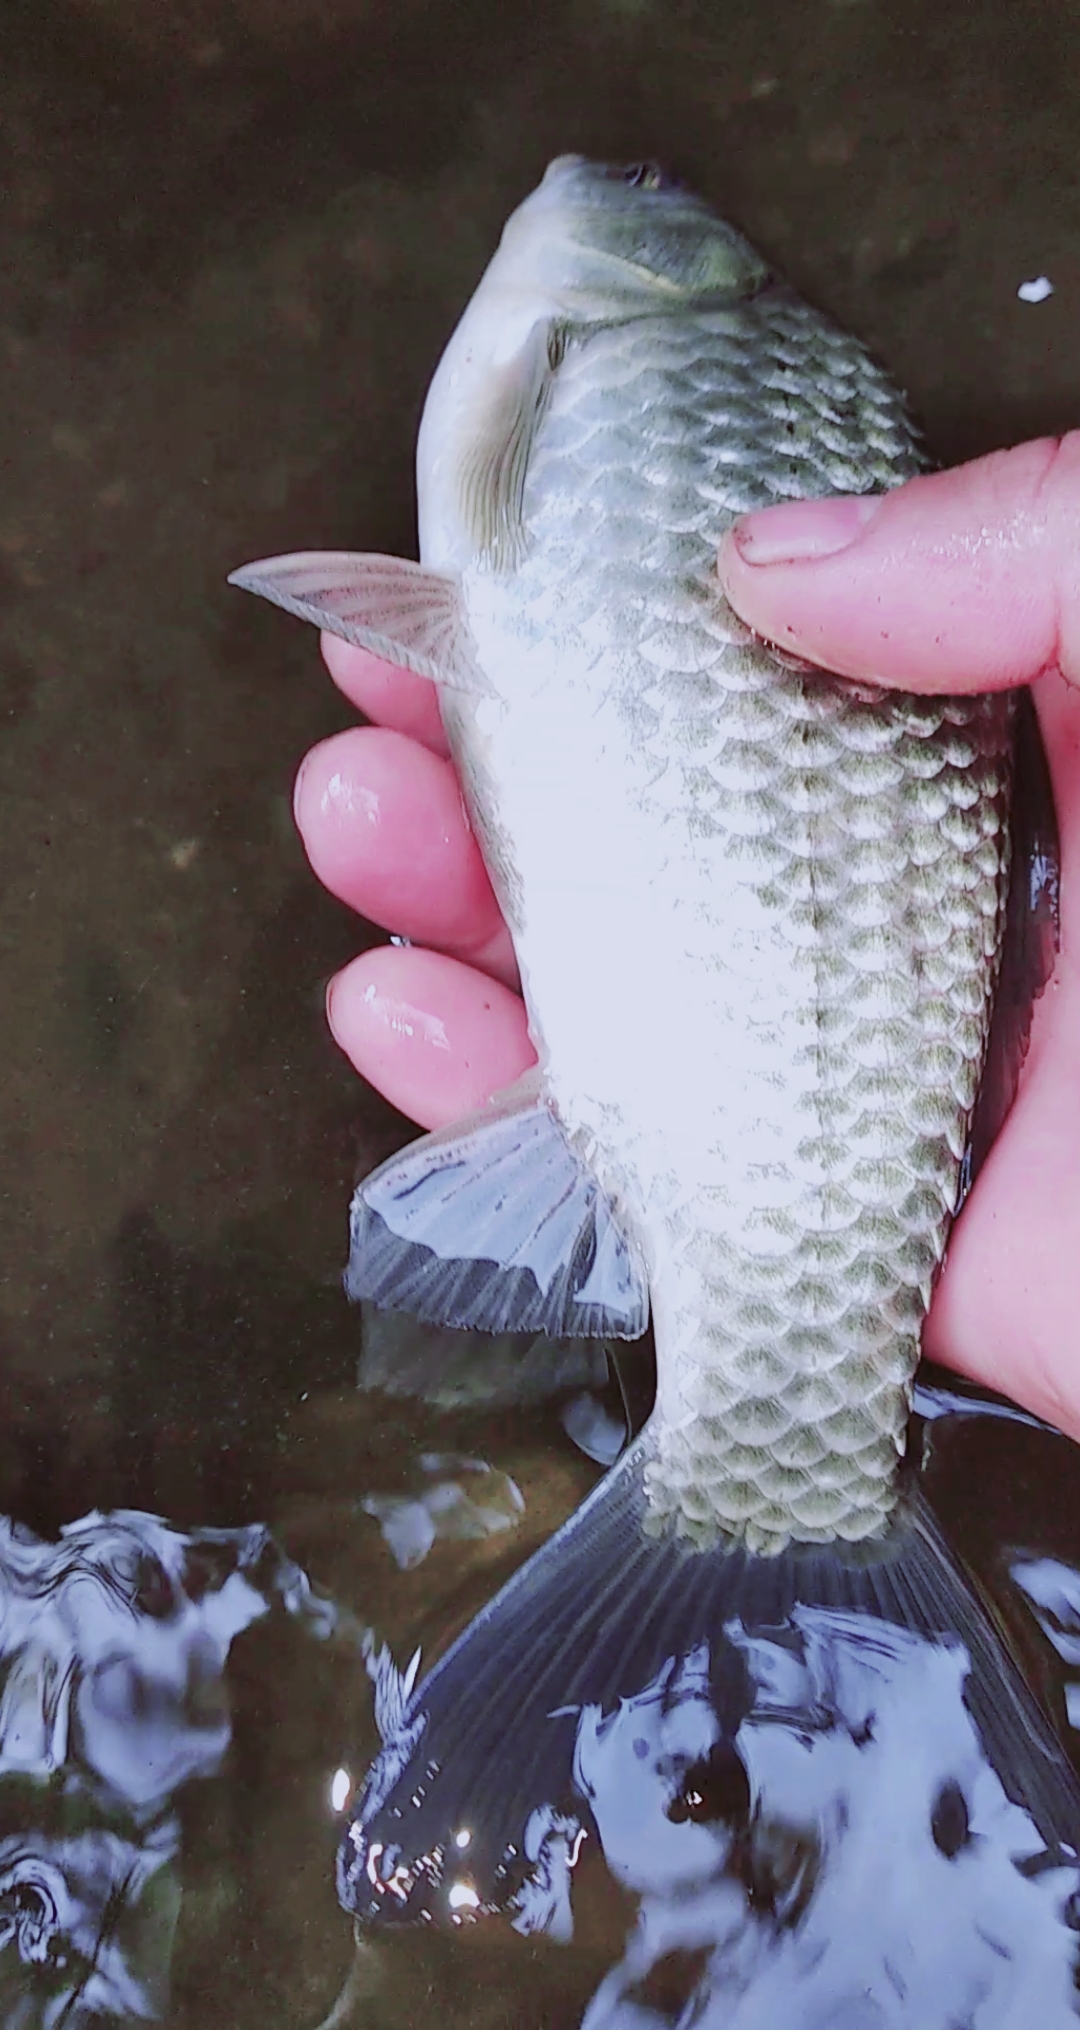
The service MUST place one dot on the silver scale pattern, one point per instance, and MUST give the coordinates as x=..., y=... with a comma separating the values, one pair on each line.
x=872, y=830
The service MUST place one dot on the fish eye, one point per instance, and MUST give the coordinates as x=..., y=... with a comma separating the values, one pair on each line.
x=949, y=1821
x=647, y=176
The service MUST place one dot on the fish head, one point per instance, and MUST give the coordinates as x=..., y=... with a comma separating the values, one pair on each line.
x=601, y=242
x=591, y=246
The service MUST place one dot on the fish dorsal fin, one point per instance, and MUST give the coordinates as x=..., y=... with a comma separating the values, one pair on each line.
x=497, y=1224
x=1031, y=938
x=399, y=610
x=494, y=460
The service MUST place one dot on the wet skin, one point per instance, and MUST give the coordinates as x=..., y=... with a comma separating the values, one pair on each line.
x=965, y=580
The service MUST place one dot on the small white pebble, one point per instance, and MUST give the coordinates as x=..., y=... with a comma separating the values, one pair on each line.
x=1037, y=291
x=183, y=853
x=340, y=1787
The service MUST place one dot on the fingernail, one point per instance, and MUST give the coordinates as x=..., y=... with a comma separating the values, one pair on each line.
x=799, y=531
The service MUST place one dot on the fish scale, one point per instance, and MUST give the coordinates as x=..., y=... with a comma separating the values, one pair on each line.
x=826, y=867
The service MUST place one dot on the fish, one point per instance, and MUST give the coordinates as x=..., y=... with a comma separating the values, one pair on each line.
x=779, y=936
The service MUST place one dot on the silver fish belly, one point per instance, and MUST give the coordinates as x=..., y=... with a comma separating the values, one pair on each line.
x=756, y=912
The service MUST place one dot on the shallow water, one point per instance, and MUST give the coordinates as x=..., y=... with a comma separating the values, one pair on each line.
x=236, y=238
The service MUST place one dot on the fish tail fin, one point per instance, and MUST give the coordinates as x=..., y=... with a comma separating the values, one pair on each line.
x=624, y=1701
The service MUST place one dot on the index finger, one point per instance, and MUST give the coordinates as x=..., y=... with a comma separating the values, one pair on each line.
x=387, y=695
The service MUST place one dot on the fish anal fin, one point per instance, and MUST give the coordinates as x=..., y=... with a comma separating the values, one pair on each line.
x=398, y=610
x=497, y=1224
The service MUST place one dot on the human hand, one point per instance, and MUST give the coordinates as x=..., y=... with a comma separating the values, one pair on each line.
x=965, y=580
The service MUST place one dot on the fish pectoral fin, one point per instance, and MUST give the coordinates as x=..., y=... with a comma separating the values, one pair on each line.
x=399, y=610
x=496, y=1224
x=495, y=461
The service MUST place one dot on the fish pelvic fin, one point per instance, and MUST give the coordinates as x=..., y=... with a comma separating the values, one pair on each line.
x=832, y=1747
x=398, y=610
x=497, y=1224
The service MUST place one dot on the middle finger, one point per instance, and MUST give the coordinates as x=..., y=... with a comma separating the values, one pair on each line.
x=385, y=829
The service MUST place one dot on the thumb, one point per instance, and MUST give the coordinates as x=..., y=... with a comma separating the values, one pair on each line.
x=966, y=580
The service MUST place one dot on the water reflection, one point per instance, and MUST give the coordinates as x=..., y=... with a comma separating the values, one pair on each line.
x=848, y=1853
x=450, y=1496
x=113, y=1642
x=1053, y=1593
x=803, y=1819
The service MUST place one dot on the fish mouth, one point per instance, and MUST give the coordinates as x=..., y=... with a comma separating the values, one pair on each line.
x=577, y=175
x=648, y=176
